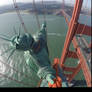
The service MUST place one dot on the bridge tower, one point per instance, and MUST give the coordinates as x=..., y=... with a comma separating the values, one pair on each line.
x=82, y=50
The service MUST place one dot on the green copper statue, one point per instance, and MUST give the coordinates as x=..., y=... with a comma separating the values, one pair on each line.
x=36, y=54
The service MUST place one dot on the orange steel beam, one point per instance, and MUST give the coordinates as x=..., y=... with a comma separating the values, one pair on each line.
x=84, y=65
x=87, y=29
x=71, y=54
x=66, y=16
x=69, y=69
x=76, y=28
x=85, y=41
x=90, y=45
x=74, y=70
x=68, y=76
x=77, y=69
x=72, y=29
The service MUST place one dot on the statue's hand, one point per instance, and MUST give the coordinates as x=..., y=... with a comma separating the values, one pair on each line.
x=50, y=78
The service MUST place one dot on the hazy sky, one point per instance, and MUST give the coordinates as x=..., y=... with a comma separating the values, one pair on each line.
x=4, y=2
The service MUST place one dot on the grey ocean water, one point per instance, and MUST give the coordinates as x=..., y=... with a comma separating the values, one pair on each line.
x=57, y=29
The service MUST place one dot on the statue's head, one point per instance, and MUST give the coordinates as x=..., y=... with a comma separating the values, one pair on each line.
x=23, y=42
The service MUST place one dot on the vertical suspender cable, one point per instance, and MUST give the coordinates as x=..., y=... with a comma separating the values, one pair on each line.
x=19, y=16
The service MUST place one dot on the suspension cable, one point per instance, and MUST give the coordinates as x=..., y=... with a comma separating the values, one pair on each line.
x=38, y=23
x=19, y=15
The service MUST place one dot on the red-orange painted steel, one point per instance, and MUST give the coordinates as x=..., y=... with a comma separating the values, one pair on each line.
x=68, y=69
x=65, y=16
x=76, y=28
x=84, y=66
x=87, y=30
x=57, y=80
x=90, y=45
x=71, y=54
x=75, y=72
x=72, y=29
